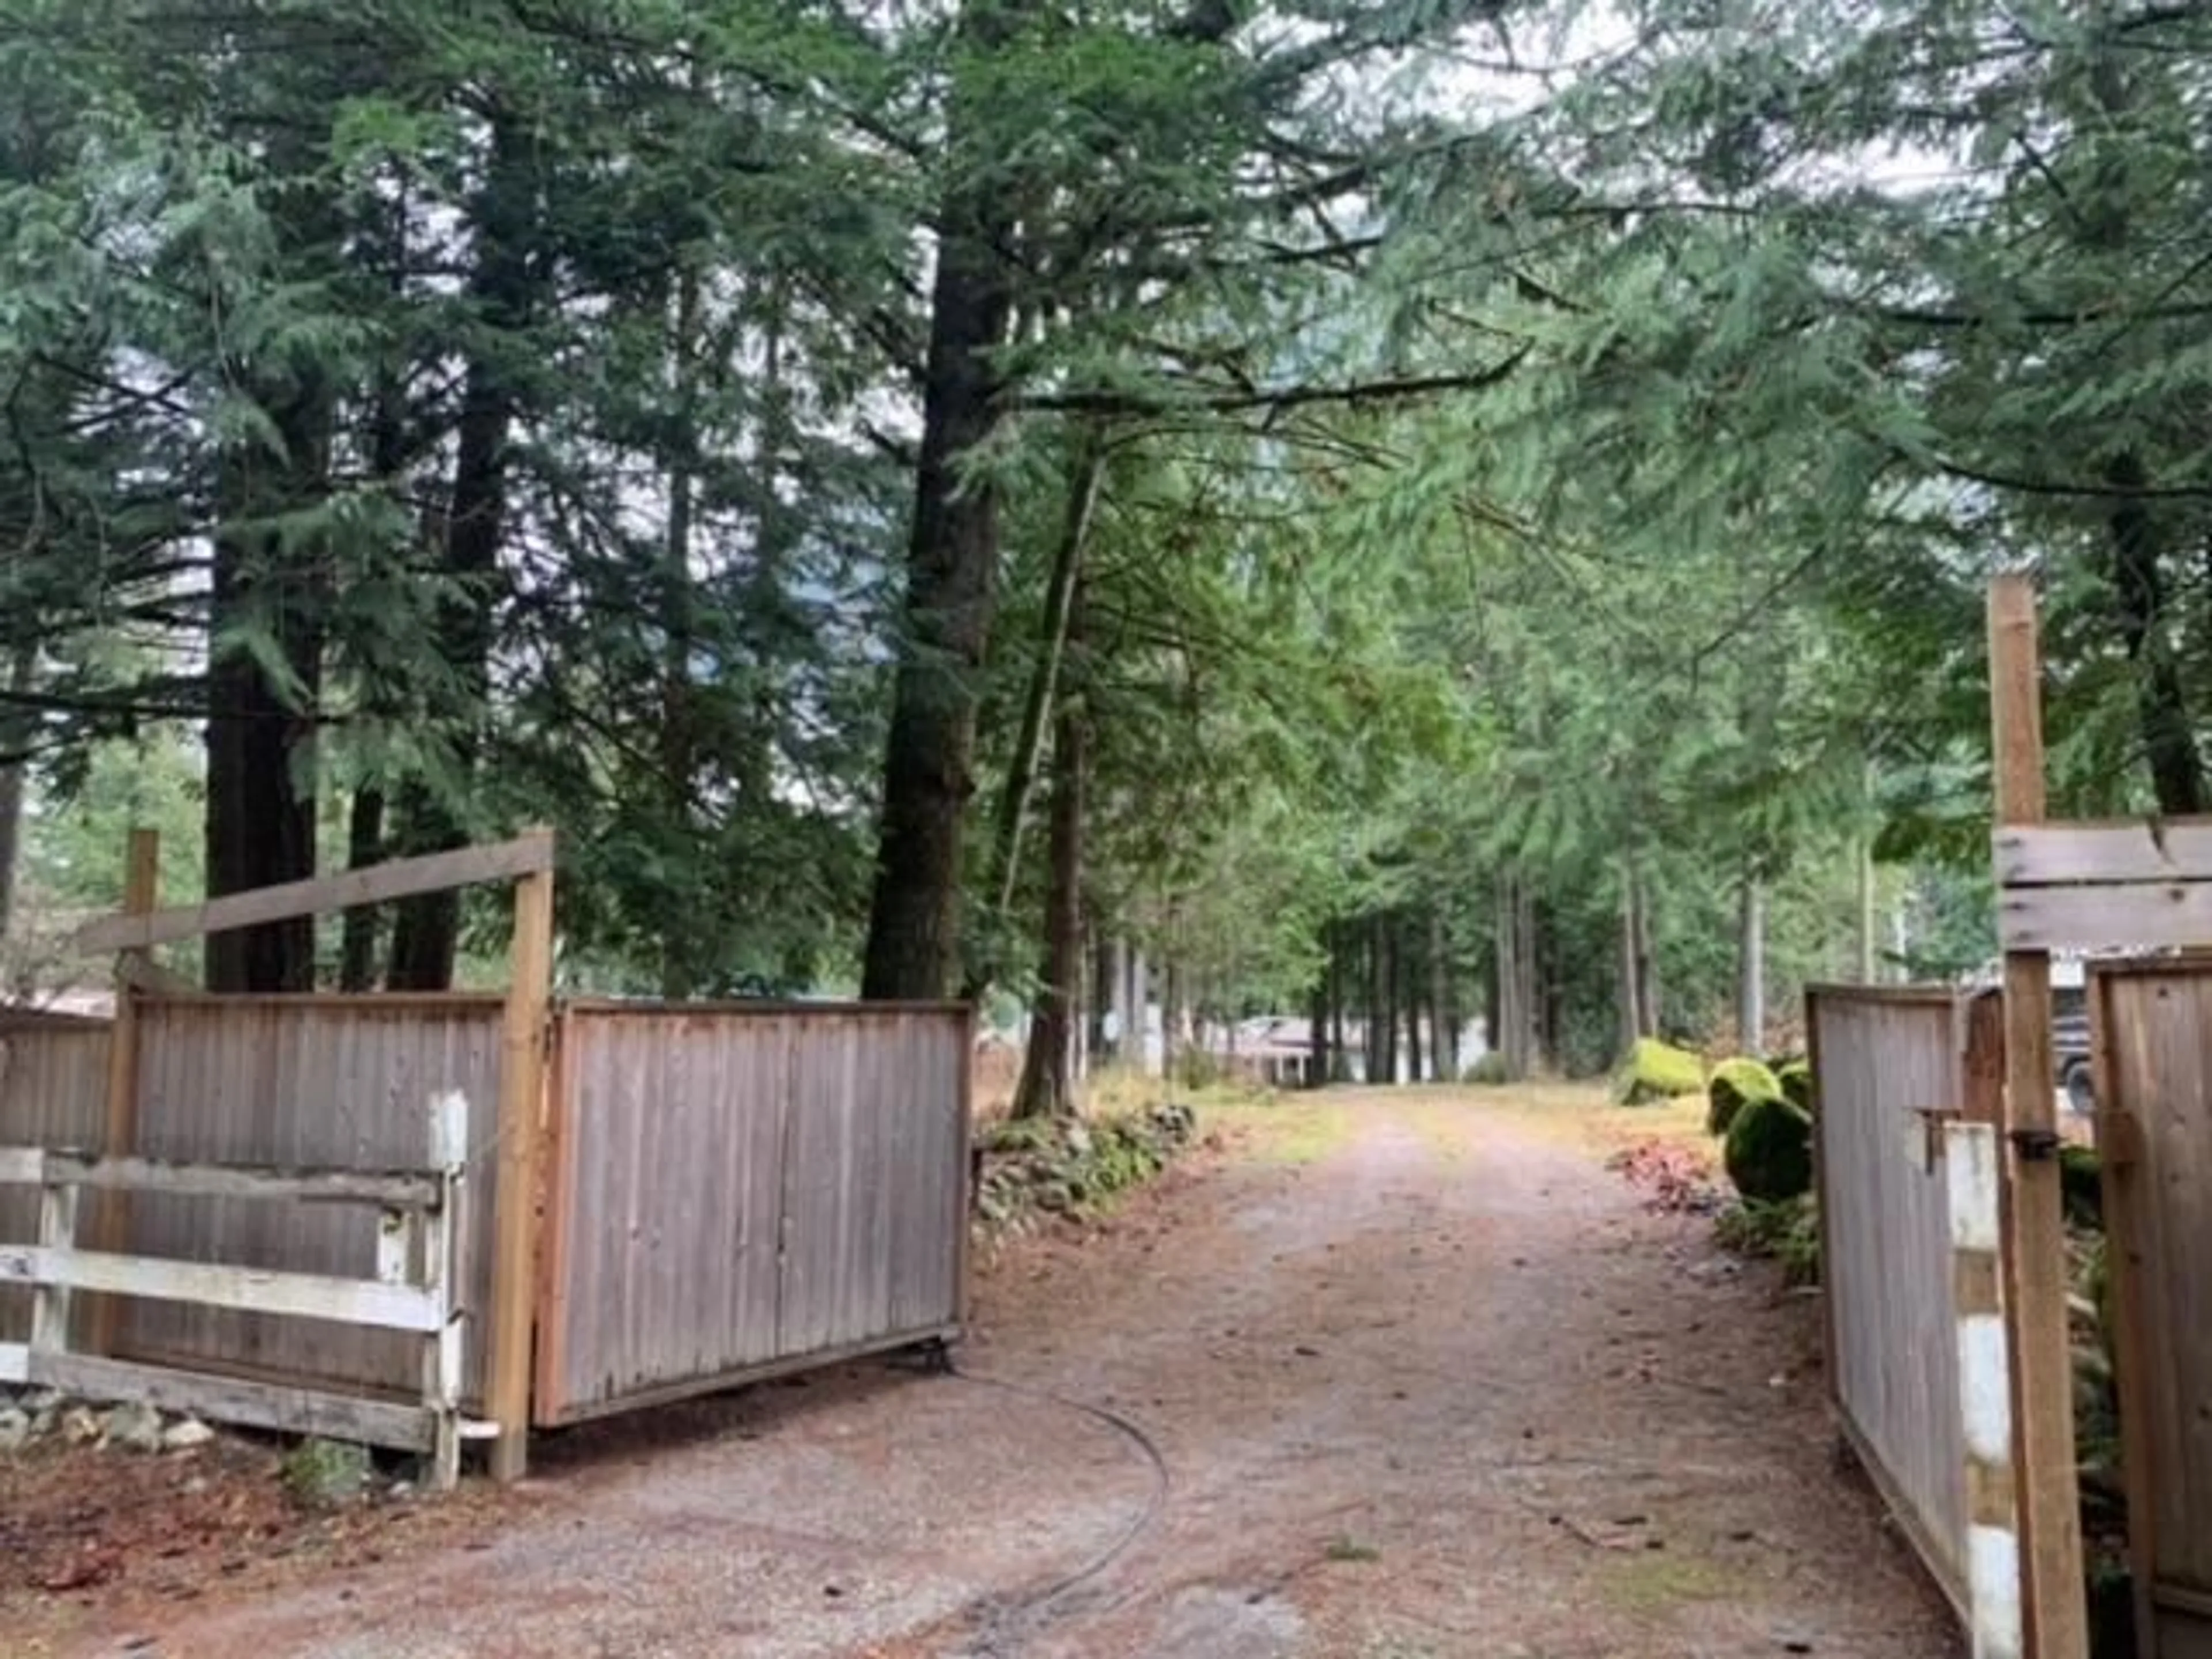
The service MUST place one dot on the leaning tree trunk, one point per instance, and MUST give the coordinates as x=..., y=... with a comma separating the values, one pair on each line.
x=1048, y=1086
x=1013, y=809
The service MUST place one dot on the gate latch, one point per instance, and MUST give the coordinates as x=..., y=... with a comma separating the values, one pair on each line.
x=2034, y=1146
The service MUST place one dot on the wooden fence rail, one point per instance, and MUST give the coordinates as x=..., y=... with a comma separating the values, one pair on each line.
x=416, y=1244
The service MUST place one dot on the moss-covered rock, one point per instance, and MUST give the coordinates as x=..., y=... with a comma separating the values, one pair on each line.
x=1734, y=1084
x=1491, y=1071
x=1769, y=1151
x=1655, y=1071
x=1795, y=1077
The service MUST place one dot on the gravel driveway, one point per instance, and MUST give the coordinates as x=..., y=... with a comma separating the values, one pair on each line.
x=1392, y=1375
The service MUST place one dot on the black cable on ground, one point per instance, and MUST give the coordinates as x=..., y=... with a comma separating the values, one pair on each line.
x=1163, y=1481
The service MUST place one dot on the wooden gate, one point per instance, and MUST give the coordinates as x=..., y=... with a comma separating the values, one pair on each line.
x=1886, y=1060
x=742, y=1189
x=2152, y=1035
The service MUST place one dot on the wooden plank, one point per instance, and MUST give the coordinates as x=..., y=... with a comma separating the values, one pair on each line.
x=2145, y=917
x=22, y=1166
x=2050, y=1516
x=526, y=856
x=234, y=1400
x=518, y=1224
x=141, y=891
x=963, y=1221
x=143, y=974
x=15, y=1363
x=2114, y=852
x=248, y=1290
x=395, y=1190
x=1855, y=995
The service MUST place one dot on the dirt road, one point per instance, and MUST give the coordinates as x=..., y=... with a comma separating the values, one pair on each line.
x=1394, y=1377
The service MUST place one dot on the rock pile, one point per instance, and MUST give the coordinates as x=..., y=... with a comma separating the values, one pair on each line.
x=1058, y=1165
x=29, y=1416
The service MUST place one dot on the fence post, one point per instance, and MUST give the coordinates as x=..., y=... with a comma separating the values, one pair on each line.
x=1974, y=1180
x=2032, y=1225
x=517, y=1219
x=141, y=892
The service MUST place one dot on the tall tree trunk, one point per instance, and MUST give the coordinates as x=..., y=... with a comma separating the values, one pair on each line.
x=260, y=732
x=2162, y=712
x=1318, y=1065
x=14, y=739
x=1647, y=971
x=1409, y=978
x=1631, y=995
x=1119, y=1002
x=1386, y=997
x=679, y=740
x=1443, y=1030
x=503, y=291
x=362, y=929
x=1373, y=1041
x=1047, y=1087
x=1087, y=468
x=953, y=555
x=1171, y=994
x=1528, y=1000
x=1751, y=965
x=1339, y=1065
x=1102, y=991
x=1552, y=1035
x=1508, y=1030
x=1136, y=1022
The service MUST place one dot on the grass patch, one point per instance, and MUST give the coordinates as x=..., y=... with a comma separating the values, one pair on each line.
x=1656, y=1580
x=1294, y=1129
x=1345, y=1548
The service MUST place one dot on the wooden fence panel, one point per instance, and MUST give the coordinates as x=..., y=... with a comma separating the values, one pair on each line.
x=2154, y=1034
x=342, y=1083
x=54, y=1092
x=740, y=1189
x=1885, y=1059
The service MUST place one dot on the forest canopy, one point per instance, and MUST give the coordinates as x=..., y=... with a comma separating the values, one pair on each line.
x=1442, y=509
